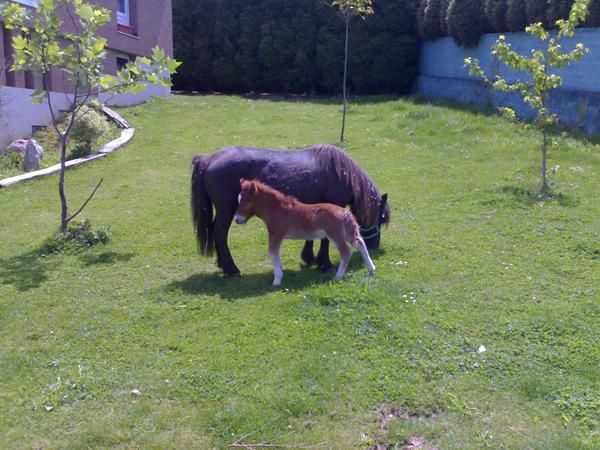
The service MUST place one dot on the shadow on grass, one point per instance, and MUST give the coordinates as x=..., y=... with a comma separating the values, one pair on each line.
x=556, y=130
x=106, y=258
x=30, y=270
x=257, y=284
x=26, y=271
x=528, y=197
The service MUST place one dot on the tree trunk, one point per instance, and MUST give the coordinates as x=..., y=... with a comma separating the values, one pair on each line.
x=347, y=17
x=545, y=186
x=64, y=216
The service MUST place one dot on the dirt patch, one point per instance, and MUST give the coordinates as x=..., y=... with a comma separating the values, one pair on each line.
x=388, y=414
x=415, y=442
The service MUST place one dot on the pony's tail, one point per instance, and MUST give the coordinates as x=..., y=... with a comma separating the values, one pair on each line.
x=202, y=208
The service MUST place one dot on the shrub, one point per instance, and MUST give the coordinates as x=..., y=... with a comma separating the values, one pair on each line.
x=466, y=21
x=430, y=26
x=12, y=160
x=80, y=150
x=495, y=13
x=536, y=11
x=558, y=9
x=516, y=16
x=283, y=46
x=78, y=237
x=593, y=18
x=444, y=4
x=89, y=126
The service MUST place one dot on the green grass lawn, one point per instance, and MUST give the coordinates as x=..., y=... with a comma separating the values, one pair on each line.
x=472, y=258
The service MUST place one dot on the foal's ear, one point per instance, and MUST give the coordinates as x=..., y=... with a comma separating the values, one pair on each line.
x=383, y=199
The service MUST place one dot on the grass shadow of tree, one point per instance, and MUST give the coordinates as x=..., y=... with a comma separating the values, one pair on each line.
x=26, y=271
x=528, y=197
x=106, y=258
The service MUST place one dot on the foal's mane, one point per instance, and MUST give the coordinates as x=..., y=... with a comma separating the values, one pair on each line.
x=365, y=198
x=284, y=200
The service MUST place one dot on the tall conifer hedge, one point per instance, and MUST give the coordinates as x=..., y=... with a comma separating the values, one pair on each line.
x=283, y=46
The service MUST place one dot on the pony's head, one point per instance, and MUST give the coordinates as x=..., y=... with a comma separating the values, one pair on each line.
x=372, y=236
x=245, y=209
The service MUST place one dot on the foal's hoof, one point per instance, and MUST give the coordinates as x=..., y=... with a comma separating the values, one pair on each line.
x=233, y=274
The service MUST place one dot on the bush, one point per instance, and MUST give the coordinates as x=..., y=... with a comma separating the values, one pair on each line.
x=516, y=16
x=536, y=11
x=495, y=13
x=80, y=150
x=466, y=21
x=593, y=18
x=283, y=46
x=78, y=237
x=444, y=5
x=558, y=9
x=10, y=161
x=89, y=126
x=430, y=25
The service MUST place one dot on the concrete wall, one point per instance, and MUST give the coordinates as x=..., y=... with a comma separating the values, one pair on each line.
x=442, y=74
x=18, y=114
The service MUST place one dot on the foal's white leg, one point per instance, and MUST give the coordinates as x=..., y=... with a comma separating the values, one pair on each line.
x=362, y=248
x=345, y=254
x=276, y=261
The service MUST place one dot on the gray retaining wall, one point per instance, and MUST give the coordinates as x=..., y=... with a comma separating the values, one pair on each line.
x=442, y=74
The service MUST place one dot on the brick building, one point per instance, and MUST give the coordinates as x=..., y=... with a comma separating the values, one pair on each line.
x=136, y=27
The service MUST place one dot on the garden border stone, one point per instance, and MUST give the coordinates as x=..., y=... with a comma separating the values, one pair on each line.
x=126, y=135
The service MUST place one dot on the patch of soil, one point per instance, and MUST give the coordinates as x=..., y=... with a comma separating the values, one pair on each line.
x=387, y=414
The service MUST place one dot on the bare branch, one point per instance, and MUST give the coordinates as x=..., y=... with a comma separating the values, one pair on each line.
x=240, y=444
x=252, y=446
x=72, y=216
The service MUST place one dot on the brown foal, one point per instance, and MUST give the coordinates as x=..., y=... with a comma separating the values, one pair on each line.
x=288, y=218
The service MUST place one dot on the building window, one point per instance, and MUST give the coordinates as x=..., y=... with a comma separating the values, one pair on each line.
x=28, y=79
x=123, y=12
x=33, y=3
x=121, y=62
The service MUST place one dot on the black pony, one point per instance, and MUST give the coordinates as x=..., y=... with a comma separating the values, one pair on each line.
x=321, y=173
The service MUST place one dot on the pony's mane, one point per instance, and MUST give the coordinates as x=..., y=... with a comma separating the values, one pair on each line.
x=365, y=201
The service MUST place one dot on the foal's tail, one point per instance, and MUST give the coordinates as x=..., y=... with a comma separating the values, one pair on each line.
x=202, y=208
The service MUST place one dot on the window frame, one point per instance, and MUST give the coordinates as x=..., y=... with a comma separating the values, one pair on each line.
x=124, y=18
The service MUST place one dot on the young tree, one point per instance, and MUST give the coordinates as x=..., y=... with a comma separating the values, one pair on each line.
x=46, y=44
x=349, y=9
x=539, y=67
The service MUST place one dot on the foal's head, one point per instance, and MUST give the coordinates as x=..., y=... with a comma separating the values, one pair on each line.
x=246, y=201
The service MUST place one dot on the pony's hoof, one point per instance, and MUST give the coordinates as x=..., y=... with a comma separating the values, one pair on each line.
x=309, y=260
x=276, y=283
x=233, y=274
x=327, y=268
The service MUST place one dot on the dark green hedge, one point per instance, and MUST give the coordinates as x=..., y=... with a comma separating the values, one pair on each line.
x=467, y=20
x=283, y=46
